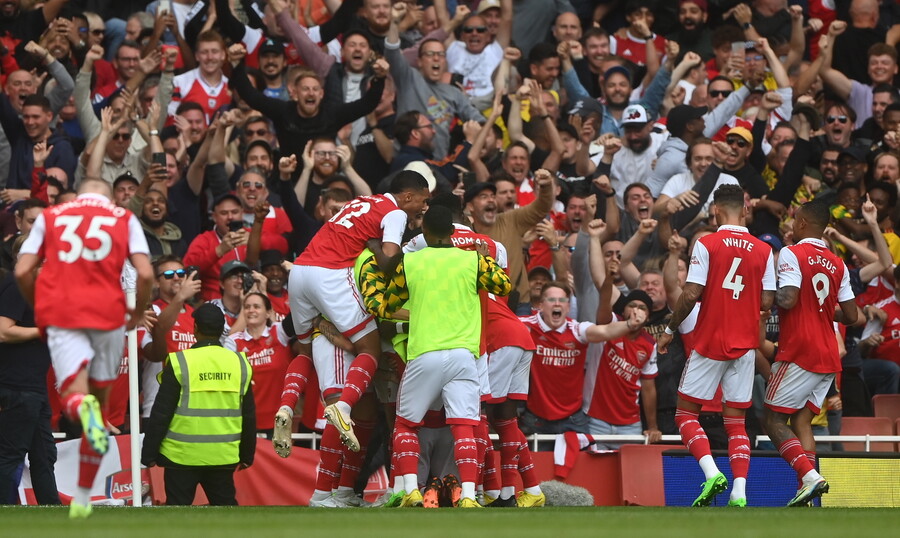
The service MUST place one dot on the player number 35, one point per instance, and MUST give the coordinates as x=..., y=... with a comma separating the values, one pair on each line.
x=77, y=248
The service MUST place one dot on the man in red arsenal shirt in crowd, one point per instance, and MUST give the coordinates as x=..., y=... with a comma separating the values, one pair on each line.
x=623, y=374
x=85, y=241
x=322, y=282
x=557, y=368
x=812, y=281
x=734, y=274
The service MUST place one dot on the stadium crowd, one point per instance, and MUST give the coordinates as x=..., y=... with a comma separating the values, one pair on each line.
x=576, y=145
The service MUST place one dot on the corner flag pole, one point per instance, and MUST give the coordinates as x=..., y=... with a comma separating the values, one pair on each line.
x=134, y=408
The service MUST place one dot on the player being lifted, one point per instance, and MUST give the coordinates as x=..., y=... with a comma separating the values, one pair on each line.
x=812, y=281
x=732, y=274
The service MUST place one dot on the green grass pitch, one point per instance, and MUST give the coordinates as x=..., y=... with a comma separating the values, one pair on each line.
x=271, y=522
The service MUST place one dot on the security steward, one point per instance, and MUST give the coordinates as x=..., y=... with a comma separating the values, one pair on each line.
x=203, y=424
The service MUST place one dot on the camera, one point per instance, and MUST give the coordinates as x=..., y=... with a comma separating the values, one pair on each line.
x=248, y=282
x=192, y=269
x=235, y=225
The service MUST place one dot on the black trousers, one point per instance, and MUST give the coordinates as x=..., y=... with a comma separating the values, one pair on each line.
x=217, y=482
x=25, y=429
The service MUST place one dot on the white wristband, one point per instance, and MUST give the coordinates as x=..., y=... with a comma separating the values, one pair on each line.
x=669, y=331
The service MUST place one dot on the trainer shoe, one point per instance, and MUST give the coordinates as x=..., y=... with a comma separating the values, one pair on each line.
x=344, y=425
x=710, y=489
x=348, y=499
x=92, y=424
x=739, y=503
x=79, y=511
x=466, y=502
x=809, y=492
x=452, y=489
x=487, y=500
x=527, y=500
x=281, y=439
x=411, y=499
x=327, y=502
x=432, y=496
x=395, y=498
x=503, y=503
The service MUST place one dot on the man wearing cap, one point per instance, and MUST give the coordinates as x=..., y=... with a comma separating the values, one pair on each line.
x=622, y=375
x=685, y=124
x=631, y=158
x=509, y=226
x=210, y=250
x=234, y=273
x=271, y=265
x=124, y=188
x=271, y=65
x=736, y=162
x=617, y=88
x=202, y=448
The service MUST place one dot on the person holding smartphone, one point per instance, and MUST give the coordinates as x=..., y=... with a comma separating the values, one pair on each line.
x=228, y=240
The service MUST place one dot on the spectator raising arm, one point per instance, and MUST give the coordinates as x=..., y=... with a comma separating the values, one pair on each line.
x=476, y=165
x=108, y=126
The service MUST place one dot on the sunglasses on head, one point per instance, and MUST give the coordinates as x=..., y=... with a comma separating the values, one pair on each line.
x=720, y=93
x=832, y=119
x=734, y=140
x=172, y=273
x=470, y=29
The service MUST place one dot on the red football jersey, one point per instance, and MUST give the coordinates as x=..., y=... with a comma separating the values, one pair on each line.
x=616, y=387
x=84, y=244
x=191, y=86
x=280, y=305
x=890, y=347
x=635, y=50
x=807, y=330
x=735, y=268
x=340, y=240
x=269, y=355
x=181, y=335
x=557, y=369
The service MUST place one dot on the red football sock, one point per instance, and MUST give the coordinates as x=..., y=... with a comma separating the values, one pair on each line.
x=358, y=378
x=353, y=460
x=70, y=405
x=465, y=451
x=692, y=434
x=295, y=380
x=526, y=465
x=88, y=463
x=509, y=432
x=491, y=479
x=330, y=454
x=482, y=438
x=738, y=446
x=793, y=453
x=406, y=448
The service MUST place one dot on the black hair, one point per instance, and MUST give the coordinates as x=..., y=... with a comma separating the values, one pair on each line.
x=729, y=196
x=817, y=213
x=541, y=52
x=438, y=221
x=408, y=180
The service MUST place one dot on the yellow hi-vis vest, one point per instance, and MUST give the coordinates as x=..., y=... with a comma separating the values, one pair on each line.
x=206, y=428
x=444, y=308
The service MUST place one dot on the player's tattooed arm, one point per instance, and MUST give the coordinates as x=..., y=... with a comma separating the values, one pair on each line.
x=766, y=301
x=689, y=297
x=786, y=297
x=334, y=336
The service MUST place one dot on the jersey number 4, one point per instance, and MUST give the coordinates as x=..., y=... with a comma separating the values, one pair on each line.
x=95, y=230
x=734, y=281
x=354, y=209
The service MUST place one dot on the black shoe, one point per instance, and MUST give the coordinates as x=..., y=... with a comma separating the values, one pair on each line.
x=503, y=503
